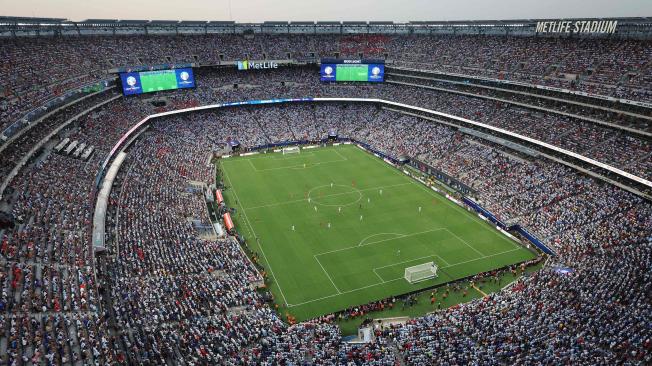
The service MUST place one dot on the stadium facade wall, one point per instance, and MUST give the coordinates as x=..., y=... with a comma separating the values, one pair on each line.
x=632, y=27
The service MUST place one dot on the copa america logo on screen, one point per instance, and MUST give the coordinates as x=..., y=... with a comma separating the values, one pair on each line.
x=184, y=76
x=328, y=70
x=375, y=71
x=131, y=81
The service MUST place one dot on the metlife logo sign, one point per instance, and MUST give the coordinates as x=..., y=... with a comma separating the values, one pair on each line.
x=256, y=65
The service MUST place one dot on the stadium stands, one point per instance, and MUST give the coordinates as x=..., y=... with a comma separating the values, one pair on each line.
x=504, y=57
x=164, y=295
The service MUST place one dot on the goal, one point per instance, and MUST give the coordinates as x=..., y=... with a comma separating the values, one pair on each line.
x=291, y=150
x=421, y=272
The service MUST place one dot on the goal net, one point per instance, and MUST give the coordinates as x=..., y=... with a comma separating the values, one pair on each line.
x=291, y=150
x=421, y=272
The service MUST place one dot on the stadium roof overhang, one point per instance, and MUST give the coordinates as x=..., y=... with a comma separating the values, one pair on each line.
x=633, y=27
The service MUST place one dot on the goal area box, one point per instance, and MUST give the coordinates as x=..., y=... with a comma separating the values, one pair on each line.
x=420, y=272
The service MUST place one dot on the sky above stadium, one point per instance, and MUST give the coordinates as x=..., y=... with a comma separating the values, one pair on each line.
x=297, y=10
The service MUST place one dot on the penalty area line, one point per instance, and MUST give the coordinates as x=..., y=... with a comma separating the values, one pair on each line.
x=327, y=275
x=381, y=241
x=396, y=279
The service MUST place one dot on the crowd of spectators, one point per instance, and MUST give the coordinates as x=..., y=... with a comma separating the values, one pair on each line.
x=168, y=296
x=612, y=146
x=41, y=68
x=177, y=297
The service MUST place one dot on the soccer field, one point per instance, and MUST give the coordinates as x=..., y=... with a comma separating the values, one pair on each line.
x=358, y=223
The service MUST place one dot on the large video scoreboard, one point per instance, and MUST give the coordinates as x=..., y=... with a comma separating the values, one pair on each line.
x=352, y=70
x=153, y=81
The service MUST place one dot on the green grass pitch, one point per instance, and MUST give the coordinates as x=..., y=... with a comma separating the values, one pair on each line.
x=357, y=226
x=157, y=81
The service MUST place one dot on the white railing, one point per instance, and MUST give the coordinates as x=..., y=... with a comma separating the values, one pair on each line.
x=501, y=131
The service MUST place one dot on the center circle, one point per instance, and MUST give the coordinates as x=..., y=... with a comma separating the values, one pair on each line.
x=338, y=195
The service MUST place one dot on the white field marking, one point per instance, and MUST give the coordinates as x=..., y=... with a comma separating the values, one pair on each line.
x=326, y=195
x=381, y=241
x=297, y=166
x=377, y=275
x=342, y=293
x=267, y=156
x=457, y=207
x=226, y=174
x=397, y=279
x=342, y=158
x=327, y=275
x=443, y=260
x=408, y=261
x=412, y=260
x=285, y=157
x=473, y=219
x=372, y=235
x=465, y=242
x=474, y=259
x=260, y=156
x=309, y=165
x=460, y=209
x=315, y=199
x=252, y=165
x=340, y=155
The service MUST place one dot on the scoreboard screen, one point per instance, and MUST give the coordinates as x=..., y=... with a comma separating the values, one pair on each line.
x=352, y=70
x=153, y=81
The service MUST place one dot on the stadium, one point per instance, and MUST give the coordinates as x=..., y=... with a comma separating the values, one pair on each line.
x=179, y=192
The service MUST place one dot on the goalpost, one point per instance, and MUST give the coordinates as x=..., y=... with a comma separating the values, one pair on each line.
x=421, y=272
x=291, y=150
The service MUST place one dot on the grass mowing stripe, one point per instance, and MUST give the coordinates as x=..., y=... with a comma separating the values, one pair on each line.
x=398, y=225
x=326, y=195
x=226, y=174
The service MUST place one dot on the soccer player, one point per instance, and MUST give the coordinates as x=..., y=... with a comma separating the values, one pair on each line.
x=398, y=253
x=339, y=209
x=419, y=209
x=381, y=192
x=360, y=217
x=292, y=227
x=315, y=208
